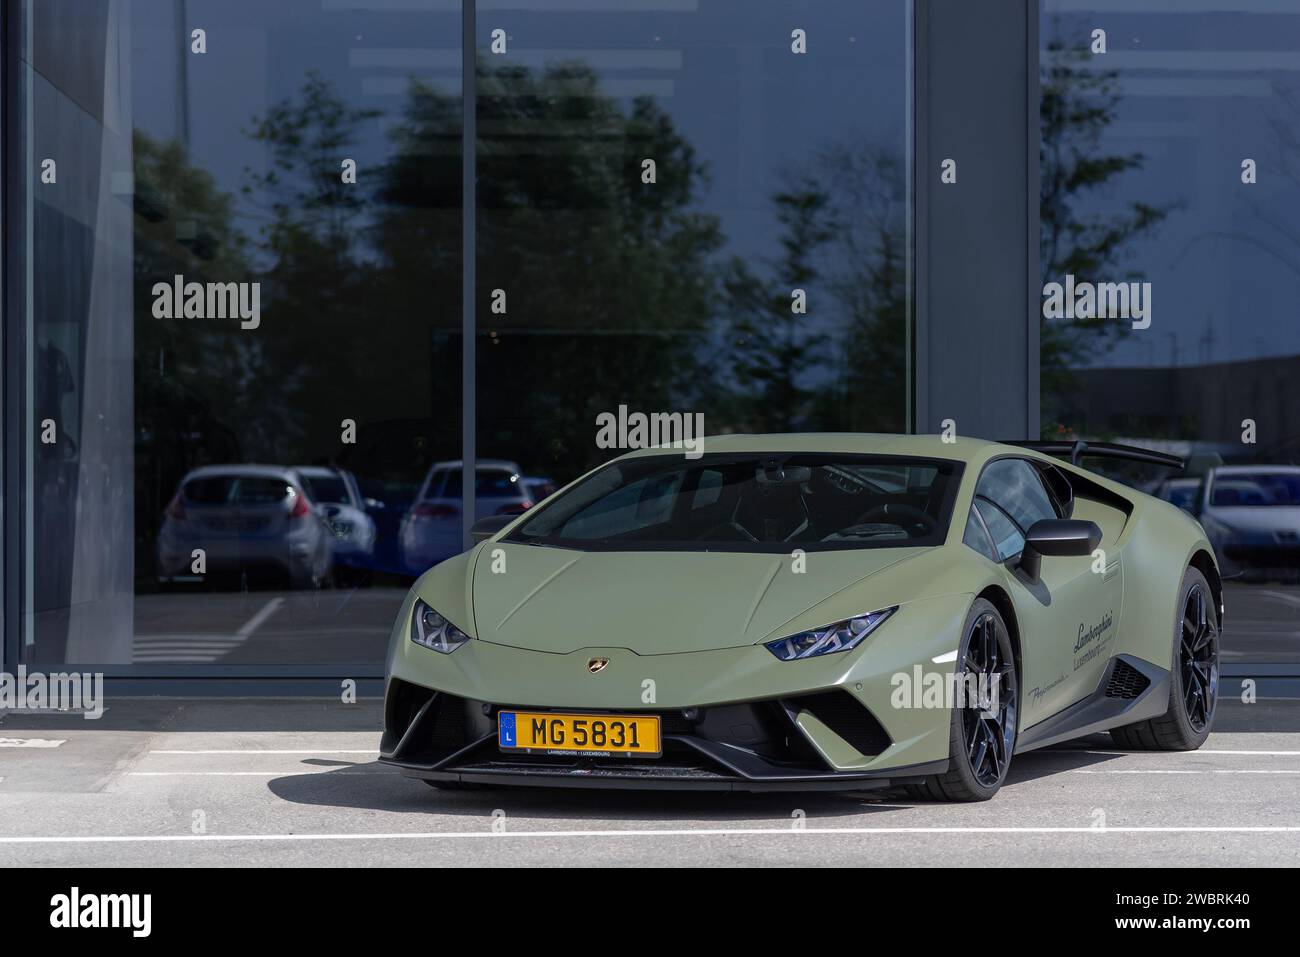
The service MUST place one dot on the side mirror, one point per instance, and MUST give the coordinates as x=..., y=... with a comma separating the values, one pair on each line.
x=485, y=528
x=1057, y=536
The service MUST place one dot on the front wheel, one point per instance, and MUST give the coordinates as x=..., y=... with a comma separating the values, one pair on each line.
x=982, y=736
x=1193, y=678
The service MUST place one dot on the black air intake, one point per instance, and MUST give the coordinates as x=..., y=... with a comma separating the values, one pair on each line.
x=844, y=715
x=1126, y=681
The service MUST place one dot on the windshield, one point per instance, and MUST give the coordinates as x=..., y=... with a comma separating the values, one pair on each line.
x=1257, y=489
x=751, y=502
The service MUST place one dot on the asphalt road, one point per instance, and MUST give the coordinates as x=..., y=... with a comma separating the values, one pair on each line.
x=351, y=626
x=295, y=782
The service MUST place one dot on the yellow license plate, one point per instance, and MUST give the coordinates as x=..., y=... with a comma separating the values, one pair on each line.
x=602, y=734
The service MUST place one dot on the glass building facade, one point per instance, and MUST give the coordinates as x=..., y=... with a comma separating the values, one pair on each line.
x=278, y=275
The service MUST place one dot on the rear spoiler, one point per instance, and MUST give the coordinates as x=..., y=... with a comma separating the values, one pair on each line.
x=1077, y=448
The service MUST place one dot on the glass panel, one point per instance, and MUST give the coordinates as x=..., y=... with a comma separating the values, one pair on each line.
x=243, y=293
x=977, y=538
x=679, y=212
x=1007, y=538
x=1171, y=169
x=1015, y=487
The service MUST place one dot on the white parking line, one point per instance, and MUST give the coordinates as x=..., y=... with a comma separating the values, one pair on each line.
x=31, y=742
x=1282, y=597
x=648, y=832
x=268, y=751
x=1139, y=753
x=201, y=648
x=263, y=613
x=1187, y=771
x=249, y=774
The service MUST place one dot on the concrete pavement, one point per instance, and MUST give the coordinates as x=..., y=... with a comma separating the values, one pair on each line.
x=257, y=782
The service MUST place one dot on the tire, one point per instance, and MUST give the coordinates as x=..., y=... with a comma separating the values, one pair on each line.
x=979, y=748
x=1193, y=683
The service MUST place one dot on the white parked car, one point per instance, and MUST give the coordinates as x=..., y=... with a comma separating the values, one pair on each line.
x=432, y=529
x=255, y=520
x=343, y=505
x=1251, y=514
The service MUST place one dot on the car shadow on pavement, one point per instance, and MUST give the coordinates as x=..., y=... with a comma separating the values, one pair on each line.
x=1061, y=759
x=373, y=786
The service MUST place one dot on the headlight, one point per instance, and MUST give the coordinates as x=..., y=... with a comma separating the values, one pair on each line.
x=430, y=629
x=840, y=636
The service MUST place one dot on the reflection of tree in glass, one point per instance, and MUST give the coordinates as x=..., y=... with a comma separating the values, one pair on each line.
x=615, y=287
x=610, y=281
x=867, y=270
x=321, y=316
x=1078, y=104
x=843, y=366
x=776, y=349
x=195, y=381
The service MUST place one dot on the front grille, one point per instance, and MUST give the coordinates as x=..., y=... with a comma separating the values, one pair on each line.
x=846, y=717
x=1126, y=681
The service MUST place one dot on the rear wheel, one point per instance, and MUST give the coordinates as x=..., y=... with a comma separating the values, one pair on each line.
x=982, y=737
x=1193, y=678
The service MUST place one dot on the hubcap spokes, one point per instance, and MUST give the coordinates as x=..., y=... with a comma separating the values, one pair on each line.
x=989, y=721
x=1198, y=659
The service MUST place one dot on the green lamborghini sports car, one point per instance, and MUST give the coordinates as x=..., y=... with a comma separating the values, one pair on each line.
x=790, y=612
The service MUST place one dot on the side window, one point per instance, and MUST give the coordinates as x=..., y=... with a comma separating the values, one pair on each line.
x=1015, y=487
x=1007, y=538
x=709, y=489
x=437, y=483
x=977, y=538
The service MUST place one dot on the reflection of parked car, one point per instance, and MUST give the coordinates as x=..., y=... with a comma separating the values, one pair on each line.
x=539, y=487
x=258, y=519
x=432, y=529
x=344, y=509
x=1251, y=513
x=1183, y=492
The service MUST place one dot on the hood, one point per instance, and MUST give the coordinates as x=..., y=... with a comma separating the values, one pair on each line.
x=653, y=603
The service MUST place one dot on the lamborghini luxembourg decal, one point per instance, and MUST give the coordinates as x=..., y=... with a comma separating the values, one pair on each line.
x=1087, y=636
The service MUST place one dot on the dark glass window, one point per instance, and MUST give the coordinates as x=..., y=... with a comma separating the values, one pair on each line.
x=1171, y=160
x=298, y=178
x=252, y=261
x=757, y=274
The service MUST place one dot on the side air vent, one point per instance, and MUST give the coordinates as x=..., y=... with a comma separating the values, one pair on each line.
x=1126, y=681
x=843, y=714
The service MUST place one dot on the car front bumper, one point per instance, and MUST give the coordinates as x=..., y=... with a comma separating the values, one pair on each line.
x=732, y=718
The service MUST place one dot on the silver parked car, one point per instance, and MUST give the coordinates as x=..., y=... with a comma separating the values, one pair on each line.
x=1251, y=515
x=259, y=520
x=340, y=499
x=431, y=529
